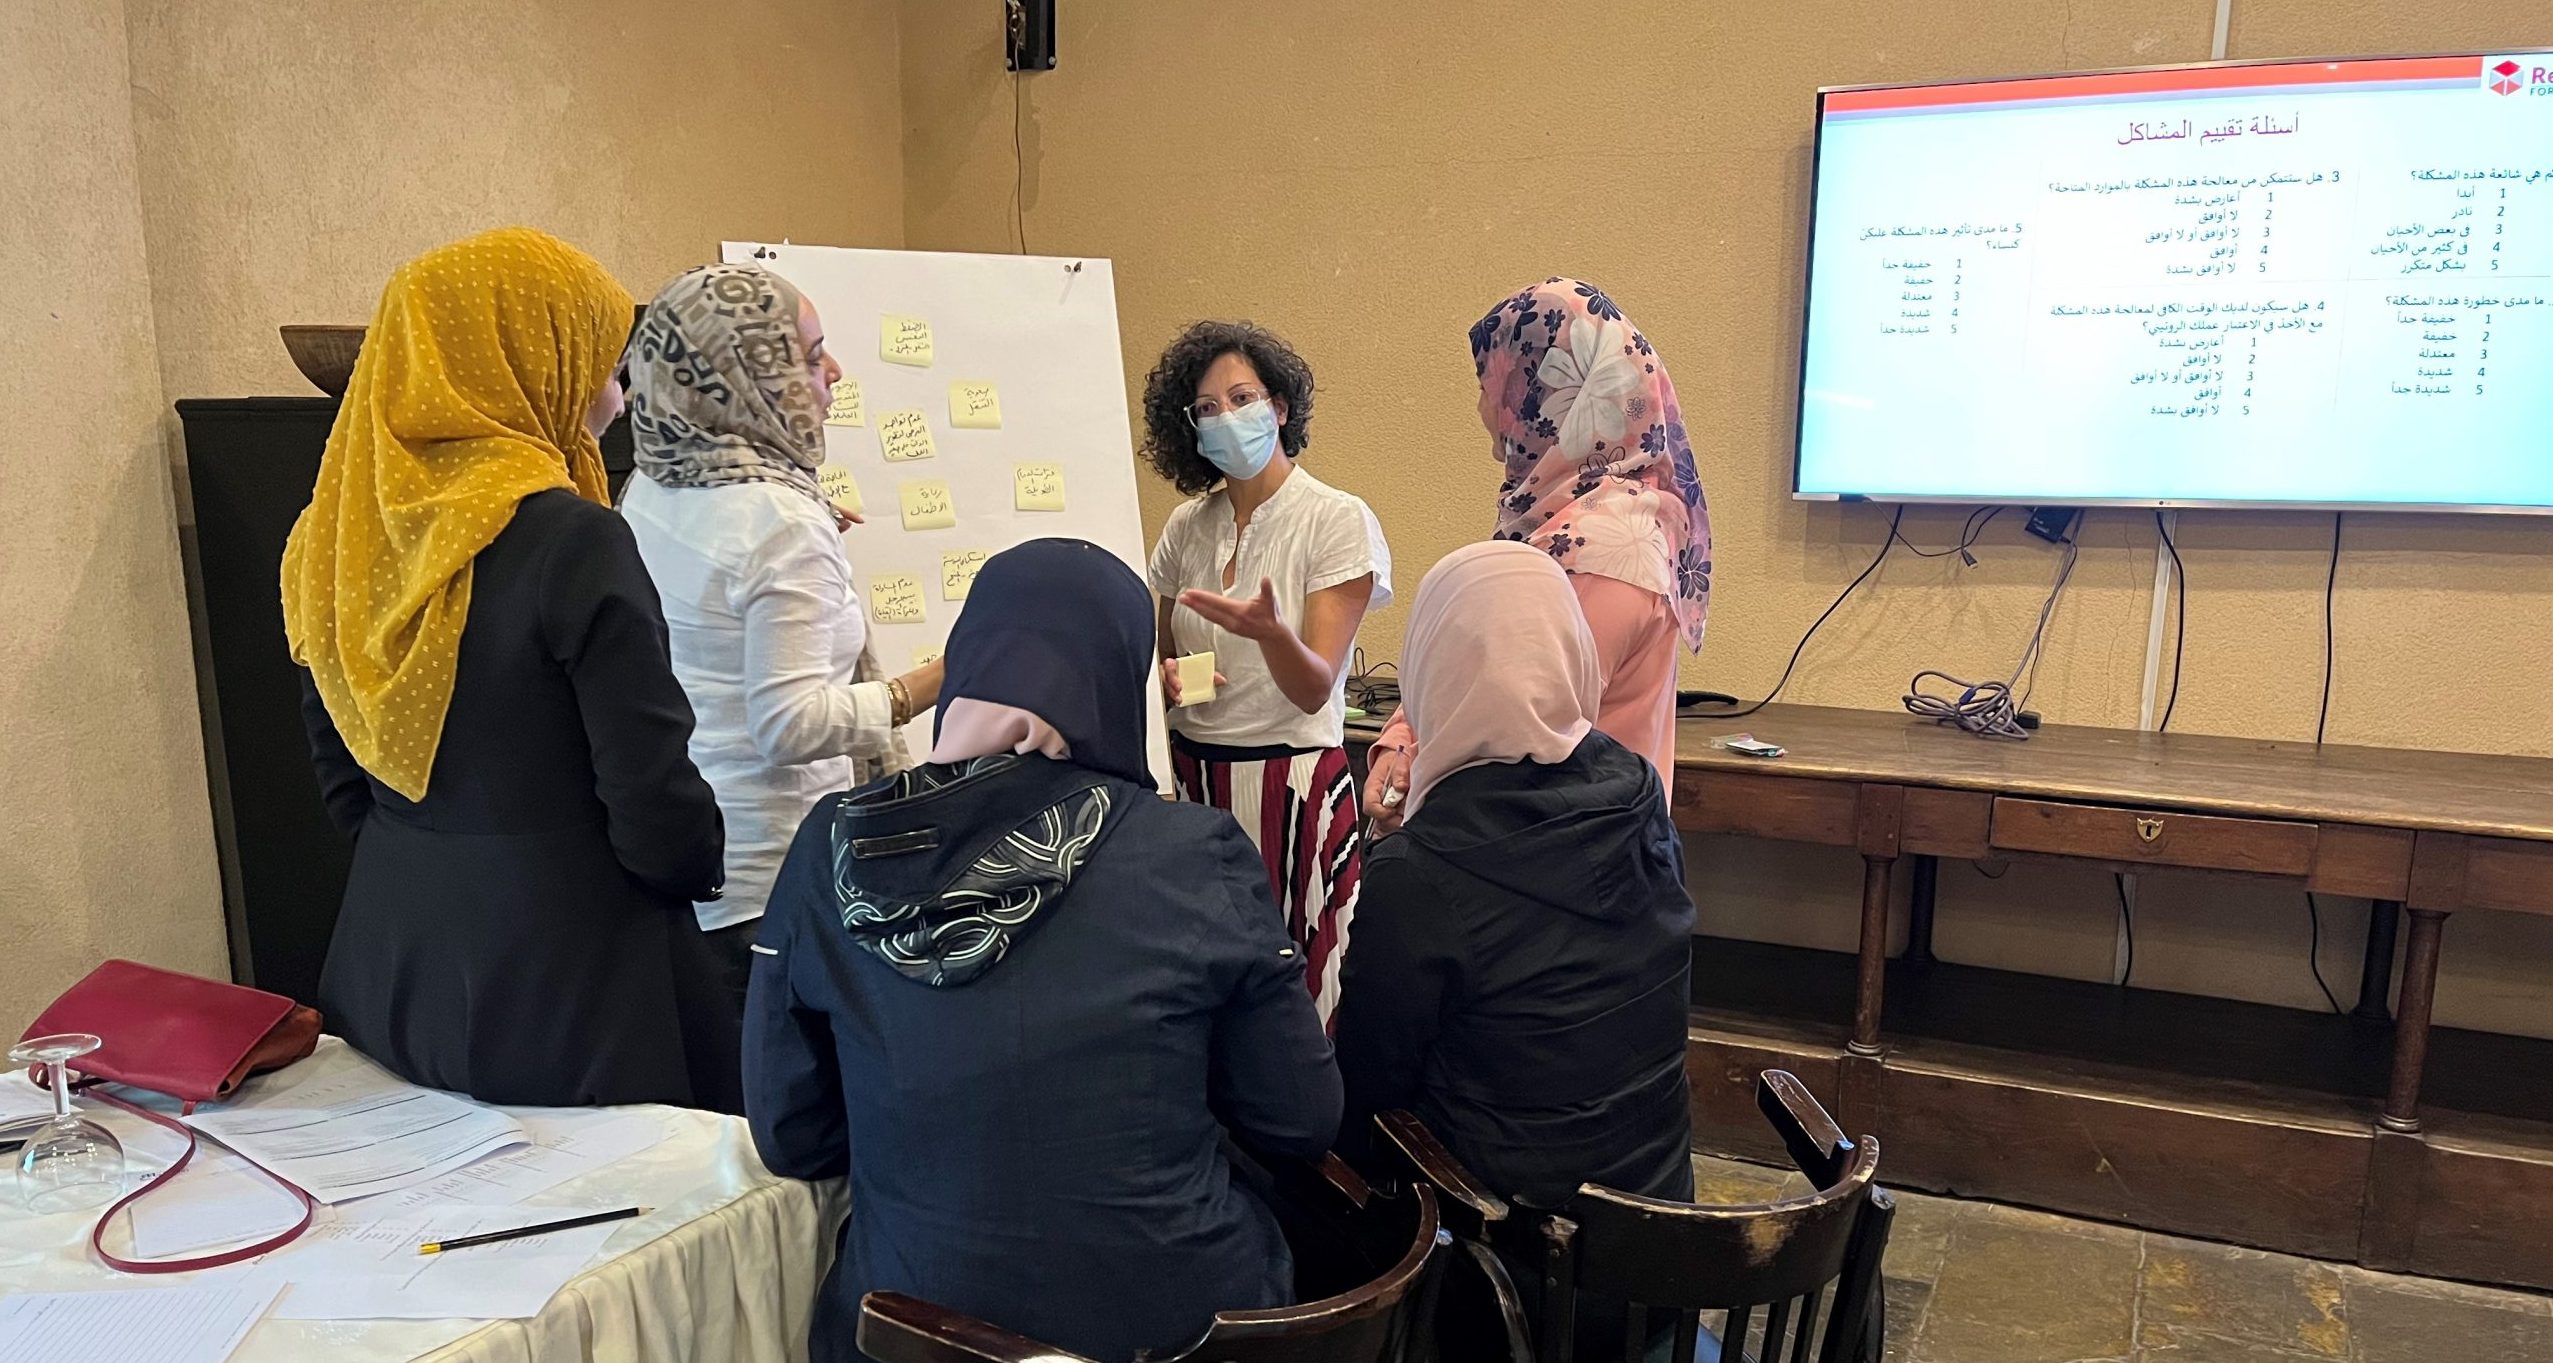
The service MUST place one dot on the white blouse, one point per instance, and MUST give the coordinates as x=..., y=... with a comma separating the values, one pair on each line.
x=1308, y=537
x=768, y=640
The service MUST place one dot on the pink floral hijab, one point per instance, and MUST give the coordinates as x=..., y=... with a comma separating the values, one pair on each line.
x=1599, y=473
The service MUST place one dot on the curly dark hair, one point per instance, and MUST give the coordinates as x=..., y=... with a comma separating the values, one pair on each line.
x=1170, y=443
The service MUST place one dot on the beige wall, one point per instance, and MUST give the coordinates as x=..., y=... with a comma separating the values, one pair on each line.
x=109, y=848
x=293, y=151
x=1367, y=178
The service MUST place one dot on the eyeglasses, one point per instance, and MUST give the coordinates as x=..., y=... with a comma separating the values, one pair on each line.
x=1203, y=408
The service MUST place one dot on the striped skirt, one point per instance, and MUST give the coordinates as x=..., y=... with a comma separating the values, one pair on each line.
x=1299, y=805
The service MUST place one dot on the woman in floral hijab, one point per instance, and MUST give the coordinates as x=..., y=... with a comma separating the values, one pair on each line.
x=1600, y=476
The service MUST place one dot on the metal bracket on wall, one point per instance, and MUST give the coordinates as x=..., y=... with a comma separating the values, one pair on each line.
x=1029, y=34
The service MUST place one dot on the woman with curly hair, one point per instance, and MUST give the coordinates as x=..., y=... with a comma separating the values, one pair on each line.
x=1271, y=570
x=1600, y=476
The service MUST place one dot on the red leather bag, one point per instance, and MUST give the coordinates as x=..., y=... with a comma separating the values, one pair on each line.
x=191, y=1038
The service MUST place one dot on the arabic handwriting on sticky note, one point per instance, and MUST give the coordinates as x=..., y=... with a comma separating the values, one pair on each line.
x=958, y=568
x=904, y=340
x=924, y=657
x=904, y=437
x=927, y=506
x=840, y=488
x=895, y=599
x=849, y=408
x=974, y=406
x=1037, y=487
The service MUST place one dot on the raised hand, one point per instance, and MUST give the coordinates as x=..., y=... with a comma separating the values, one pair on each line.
x=1255, y=618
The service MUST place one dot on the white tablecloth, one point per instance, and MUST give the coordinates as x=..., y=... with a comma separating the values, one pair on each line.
x=726, y=1268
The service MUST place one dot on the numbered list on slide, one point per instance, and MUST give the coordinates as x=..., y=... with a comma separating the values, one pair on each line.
x=2194, y=290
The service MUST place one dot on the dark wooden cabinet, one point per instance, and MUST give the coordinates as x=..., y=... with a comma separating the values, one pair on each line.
x=2370, y=1136
x=250, y=465
x=2384, y=1140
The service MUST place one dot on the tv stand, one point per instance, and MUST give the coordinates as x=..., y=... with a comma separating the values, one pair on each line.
x=2371, y=1136
x=2267, y=1126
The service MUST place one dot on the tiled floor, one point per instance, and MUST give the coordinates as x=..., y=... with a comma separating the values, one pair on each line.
x=1974, y=1282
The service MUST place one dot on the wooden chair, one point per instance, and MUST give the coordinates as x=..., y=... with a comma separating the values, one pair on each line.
x=1475, y=1218
x=1367, y=1324
x=1809, y=1261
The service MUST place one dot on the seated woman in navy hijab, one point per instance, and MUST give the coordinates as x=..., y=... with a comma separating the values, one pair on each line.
x=1017, y=996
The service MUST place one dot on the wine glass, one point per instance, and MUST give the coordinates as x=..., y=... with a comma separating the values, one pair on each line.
x=69, y=1162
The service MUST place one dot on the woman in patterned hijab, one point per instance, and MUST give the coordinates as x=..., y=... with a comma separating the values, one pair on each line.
x=728, y=383
x=722, y=387
x=1584, y=419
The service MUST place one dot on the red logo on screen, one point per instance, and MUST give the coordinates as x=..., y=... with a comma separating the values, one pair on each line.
x=2504, y=78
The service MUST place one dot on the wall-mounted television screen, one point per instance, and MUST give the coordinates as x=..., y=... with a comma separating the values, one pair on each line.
x=2311, y=284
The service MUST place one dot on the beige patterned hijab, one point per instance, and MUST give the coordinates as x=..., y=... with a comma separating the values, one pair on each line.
x=719, y=384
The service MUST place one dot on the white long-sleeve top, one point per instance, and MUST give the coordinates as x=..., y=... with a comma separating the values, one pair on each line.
x=770, y=644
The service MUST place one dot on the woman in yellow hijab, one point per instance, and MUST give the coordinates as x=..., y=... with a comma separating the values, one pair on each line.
x=492, y=708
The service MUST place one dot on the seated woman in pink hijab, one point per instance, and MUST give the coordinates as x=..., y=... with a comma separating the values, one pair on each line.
x=1600, y=477
x=1522, y=946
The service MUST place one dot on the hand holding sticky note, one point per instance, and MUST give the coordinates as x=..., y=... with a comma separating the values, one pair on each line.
x=1196, y=678
x=895, y=599
x=1037, y=487
x=927, y=506
x=974, y=406
x=904, y=340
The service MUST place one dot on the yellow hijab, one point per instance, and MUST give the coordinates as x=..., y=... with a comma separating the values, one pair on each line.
x=470, y=395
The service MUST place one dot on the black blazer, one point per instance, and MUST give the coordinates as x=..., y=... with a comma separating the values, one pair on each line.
x=524, y=934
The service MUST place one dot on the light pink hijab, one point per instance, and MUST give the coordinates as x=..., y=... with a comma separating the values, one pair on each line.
x=1498, y=665
x=971, y=728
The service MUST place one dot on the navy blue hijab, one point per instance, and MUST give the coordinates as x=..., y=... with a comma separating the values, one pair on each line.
x=1064, y=630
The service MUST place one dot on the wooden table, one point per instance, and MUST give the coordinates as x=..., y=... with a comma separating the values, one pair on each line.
x=2266, y=1126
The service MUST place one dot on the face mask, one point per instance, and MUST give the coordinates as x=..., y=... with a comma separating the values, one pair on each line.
x=1239, y=442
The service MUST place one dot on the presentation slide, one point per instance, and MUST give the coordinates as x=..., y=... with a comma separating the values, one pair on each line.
x=2323, y=283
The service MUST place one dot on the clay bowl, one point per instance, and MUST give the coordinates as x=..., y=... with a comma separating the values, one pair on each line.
x=325, y=355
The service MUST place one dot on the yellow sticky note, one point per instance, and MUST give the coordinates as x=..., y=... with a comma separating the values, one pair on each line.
x=904, y=437
x=849, y=408
x=1196, y=679
x=895, y=599
x=924, y=657
x=904, y=340
x=927, y=506
x=1037, y=487
x=840, y=488
x=958, y=568
x=974, y=406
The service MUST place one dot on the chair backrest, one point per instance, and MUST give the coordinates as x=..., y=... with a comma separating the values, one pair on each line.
x=1811, y=1260
x=1368, y=1324
x=1480, y=1313
x=1816, y=1144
